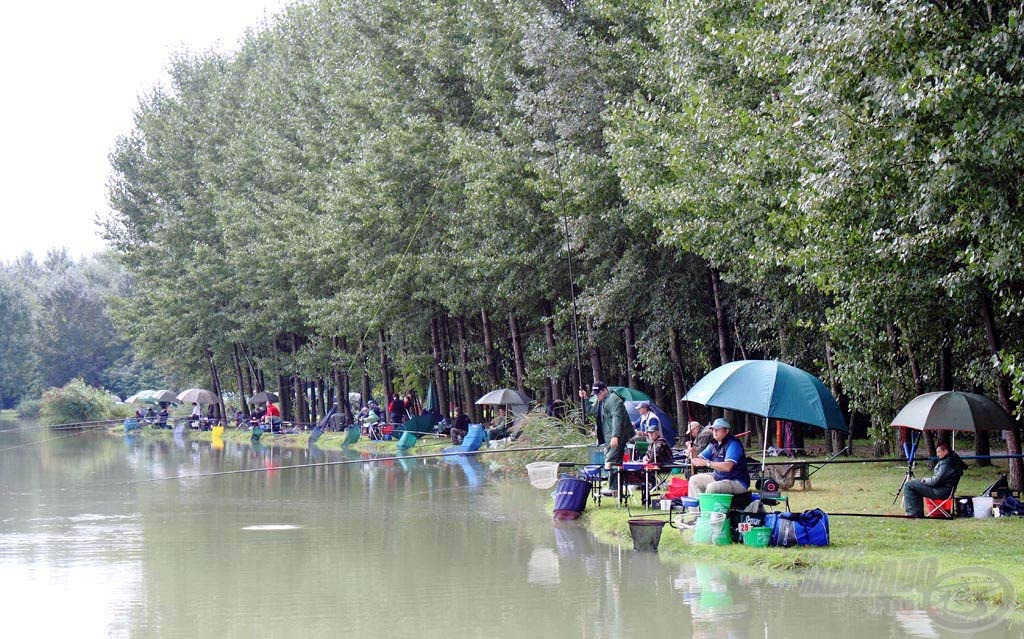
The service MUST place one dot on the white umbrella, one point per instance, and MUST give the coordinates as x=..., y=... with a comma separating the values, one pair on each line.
x=164, y=396
x=197, y=395
x=503, y=397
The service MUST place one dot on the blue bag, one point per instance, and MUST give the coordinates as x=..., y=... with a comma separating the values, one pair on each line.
x=809, y=528
x=571, y=497
x=1011, y=506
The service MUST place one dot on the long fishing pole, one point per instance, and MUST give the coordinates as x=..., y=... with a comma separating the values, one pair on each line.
x=568, y=256
x=350, y=461
x=65, y=426
x=877, y=515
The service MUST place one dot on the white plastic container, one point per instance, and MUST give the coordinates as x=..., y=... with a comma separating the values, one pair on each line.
x=982, y=507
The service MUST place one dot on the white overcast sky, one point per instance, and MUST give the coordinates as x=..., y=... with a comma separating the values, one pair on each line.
x=73, y=72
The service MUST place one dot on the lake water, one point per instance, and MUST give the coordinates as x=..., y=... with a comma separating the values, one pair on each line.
x=407, y=548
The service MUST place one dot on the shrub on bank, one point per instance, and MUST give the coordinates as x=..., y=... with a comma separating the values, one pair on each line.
x=75, y=402
x=29, y=408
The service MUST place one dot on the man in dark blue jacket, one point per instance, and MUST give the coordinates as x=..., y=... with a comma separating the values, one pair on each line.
x=727, y=460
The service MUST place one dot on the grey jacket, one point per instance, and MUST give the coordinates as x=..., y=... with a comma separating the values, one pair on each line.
x=947, y=473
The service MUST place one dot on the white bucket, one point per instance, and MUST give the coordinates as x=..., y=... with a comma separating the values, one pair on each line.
x=982, y=507
x=666, y=504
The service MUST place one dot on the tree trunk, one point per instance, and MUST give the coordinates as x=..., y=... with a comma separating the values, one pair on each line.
x=218, y=411
x=446, y=394
x=472, y=410
x=287, y=399
x=517, y=352
x=720, y=319
x=321, y=402
x=364, y=382
x=595, y=353
x=240, y=379
x=489, y=358
x=1016, y=466
x=437, y=370
x=631, y=372
x=301, y=409
x=554, y=392
x=677, y=377
x=385, y=368
x=918, y=378
x=341, y=383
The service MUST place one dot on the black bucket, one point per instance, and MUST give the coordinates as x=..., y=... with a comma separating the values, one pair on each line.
x=571, y=497
x=646, y=534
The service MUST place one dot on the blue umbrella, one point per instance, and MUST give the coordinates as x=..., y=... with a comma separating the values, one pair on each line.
x=769, y=388
x=668, y=428
x=432, y=405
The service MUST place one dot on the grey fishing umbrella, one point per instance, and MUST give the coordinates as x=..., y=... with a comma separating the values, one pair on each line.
x=141, y=397
x=263, y=397
x=953, y=410
x=197, y=395
x=165, y=396
x=503, y=397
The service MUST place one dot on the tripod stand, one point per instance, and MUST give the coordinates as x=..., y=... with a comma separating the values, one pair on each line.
x=909, y=450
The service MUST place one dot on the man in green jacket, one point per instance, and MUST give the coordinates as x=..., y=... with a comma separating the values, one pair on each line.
x=612, y=421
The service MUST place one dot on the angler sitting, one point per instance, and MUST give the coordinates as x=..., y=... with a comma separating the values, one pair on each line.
x=940, y=485
x=726, y=458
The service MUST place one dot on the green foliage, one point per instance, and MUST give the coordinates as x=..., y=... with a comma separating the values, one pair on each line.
x=29, y=408
x=75, y=402
x=368, y=172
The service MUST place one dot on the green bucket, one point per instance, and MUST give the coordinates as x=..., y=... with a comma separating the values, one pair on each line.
x=712, y=528
x=757, y=537
x=714, y=502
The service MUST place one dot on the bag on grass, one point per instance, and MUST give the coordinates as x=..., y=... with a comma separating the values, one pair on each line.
x=809, y=528
x=1011, y=506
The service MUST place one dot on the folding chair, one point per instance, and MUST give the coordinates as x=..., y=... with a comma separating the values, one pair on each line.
x=938, y=508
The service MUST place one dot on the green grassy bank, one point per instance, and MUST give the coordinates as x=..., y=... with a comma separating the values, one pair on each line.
x=979, y=557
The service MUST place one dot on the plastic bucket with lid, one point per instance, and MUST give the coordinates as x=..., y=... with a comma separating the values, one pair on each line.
x=757, y=537
x=982, y=507
x=714, y=502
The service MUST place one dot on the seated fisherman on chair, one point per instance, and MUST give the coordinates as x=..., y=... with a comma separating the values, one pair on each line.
x=940, y=485
x=726, y=457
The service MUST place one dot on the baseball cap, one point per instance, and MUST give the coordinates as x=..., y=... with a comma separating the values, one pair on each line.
x=643, y=404
x=721, y=422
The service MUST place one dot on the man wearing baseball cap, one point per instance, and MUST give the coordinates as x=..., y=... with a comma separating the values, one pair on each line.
x=658, y=450
x=726, y=459
x=613, y=424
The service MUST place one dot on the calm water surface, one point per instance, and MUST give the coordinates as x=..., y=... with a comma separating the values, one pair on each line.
x=408, y=548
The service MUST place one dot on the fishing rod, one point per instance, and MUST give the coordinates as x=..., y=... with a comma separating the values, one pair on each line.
x=65, y=426
x=568, y=254
x=41, y=441
x=345, y=462
x=877, y=515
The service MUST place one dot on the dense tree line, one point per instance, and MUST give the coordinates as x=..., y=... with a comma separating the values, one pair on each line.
x=56, y=326
x=381, y=192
